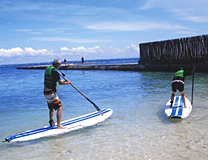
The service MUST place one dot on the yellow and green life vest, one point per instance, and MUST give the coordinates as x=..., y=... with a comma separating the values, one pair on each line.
x=179, y=73
x=48, y=77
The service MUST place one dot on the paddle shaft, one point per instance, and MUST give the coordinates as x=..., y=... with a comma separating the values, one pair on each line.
x=192, y=93
x=97, y=108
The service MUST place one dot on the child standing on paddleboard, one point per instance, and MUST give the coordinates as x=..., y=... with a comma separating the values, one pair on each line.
x=178, y=84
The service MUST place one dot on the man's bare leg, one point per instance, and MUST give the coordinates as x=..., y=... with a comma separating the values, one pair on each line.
x=172, y=98
x=51, y=122
x=51, y=112
x=184, y=98
x=59, y=114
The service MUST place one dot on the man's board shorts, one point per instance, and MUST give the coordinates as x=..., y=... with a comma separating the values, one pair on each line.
x=177, y=85
x=52, y=100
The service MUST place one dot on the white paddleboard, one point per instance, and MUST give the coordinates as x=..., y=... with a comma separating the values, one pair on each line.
x=71, y=125
x=178, y=110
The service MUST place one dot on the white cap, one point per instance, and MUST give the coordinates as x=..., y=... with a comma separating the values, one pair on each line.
x=55, y=61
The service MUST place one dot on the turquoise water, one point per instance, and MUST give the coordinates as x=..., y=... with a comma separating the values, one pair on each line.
x=138, y=128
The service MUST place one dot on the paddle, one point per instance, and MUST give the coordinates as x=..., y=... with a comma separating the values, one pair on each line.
x=192, y=86
x=97, y=108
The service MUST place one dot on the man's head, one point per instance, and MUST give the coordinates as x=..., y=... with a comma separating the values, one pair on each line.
x=179, y=69
x=57, y=63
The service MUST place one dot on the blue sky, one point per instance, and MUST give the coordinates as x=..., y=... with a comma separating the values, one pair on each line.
x=41, y=30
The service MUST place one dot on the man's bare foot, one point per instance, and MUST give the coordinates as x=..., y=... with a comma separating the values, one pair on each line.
x=61, y=127
x=51, y=122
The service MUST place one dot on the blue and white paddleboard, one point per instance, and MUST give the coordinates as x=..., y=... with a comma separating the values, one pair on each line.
x=71, y=125
x=178, y=110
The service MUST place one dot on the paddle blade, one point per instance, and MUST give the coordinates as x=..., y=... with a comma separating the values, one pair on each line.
x=98, y=109
x=101, y=113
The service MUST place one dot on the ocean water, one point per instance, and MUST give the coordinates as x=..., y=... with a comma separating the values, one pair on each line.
x=138, y=128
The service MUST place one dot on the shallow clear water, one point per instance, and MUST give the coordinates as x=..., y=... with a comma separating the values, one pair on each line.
x=138, y=128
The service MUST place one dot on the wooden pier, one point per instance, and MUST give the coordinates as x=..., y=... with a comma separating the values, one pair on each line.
x=175, y=53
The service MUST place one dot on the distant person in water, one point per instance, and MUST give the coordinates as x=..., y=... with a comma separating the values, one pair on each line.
x=50, y=80
x=178, y=84
x=82, y=60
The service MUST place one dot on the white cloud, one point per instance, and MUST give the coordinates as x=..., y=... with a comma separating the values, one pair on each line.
x=64, y=49
x=64, y=39
x=113, y=52
x=28, y=51
x=11, y=52
x=185, y=32
x=202, y=19
x=81, y=48
x=30, y=55
x=190, y=10
x=23, y=30
x=134, y=26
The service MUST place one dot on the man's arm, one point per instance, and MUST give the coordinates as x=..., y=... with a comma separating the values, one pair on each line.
x=64, y=83
x=58, y=79
x=187, y=73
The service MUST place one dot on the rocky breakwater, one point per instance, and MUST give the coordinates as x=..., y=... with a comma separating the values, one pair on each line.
x=119, y=67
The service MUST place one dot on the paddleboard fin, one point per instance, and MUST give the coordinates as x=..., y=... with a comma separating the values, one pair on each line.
x=174, y=117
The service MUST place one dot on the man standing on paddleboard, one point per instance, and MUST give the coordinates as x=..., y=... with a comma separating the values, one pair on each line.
x=50, y=80
x=178, y=84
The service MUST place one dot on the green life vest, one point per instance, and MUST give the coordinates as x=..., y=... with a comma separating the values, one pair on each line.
x=179, y=73
x=48, y=77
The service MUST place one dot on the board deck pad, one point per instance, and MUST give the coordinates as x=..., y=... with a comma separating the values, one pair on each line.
x=178, y=110
x=71, y=124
